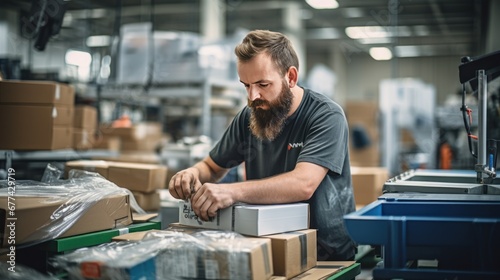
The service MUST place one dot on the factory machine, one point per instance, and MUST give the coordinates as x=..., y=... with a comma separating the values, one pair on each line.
x=442, y=224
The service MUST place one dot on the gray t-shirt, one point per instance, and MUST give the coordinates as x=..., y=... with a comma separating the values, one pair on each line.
x=317, y=132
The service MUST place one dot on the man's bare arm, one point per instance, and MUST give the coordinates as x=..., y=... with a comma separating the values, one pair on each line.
x=296, y=185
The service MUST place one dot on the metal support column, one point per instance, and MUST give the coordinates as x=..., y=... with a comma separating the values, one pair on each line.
x=481, y=142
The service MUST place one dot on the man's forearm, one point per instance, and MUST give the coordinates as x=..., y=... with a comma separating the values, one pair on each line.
x=206, y=173
x=296, y=185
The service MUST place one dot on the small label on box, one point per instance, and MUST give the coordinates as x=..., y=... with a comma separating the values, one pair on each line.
x=58, y=92
x=223, y=220
x=91, y=270
x=188, y=213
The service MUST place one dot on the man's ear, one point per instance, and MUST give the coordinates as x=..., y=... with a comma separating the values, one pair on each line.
x=292, y=76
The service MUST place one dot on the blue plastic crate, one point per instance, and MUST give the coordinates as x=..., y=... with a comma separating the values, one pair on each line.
x=463, y=236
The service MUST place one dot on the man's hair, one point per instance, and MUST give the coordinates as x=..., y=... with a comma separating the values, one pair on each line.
x=275, y=44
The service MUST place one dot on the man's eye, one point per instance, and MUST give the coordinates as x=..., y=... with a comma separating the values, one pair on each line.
x=264, y=85
x=247, y=86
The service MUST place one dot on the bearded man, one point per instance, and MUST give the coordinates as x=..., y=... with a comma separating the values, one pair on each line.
x=293, y=143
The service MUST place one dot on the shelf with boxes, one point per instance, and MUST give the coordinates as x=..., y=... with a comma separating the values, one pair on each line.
x=41, y=123
x=200, y=98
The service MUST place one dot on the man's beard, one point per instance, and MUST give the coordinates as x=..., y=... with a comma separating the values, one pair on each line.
x=268, y=124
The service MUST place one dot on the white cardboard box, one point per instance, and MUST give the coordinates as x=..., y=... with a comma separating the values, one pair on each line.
x=254, y=220
x=223, y=220
x=258, y=220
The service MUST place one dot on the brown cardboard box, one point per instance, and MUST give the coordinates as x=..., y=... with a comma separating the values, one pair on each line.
x=104, y=142
x=367, y=157
x=367, y=183
x=137, y=176
x=31, y=115
x=133, y=236
x=97, y=166
x=33, y=212
x=83, y=139
x=148, y=144
x=147, y=201
x=135, y=157
x=35, y=127
x=120, y=132
x=36, y=92
x=323, y=270
x=293, y=252
x=85, y=117
x=138, y=131
x=362, y=112
x=138, y=157
x=363, y=115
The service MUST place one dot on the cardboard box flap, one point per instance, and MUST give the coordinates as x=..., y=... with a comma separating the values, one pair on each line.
x=323, y=270
x=141, y=218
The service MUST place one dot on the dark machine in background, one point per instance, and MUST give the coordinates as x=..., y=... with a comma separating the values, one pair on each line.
x=478, y=72
x=459, y=141
x=43, y=21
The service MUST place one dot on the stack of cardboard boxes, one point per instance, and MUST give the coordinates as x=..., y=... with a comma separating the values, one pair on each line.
x=41, y=115
x=289, y=253
x=84, y=127
x=36, y=115
x=286, y=225
x=229, y=255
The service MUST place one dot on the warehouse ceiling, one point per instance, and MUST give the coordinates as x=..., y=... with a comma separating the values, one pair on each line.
x=410, y=28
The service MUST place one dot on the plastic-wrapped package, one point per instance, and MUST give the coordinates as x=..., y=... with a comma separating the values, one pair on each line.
x=121, y=260
x=111, y=261
x=42, y=211
x=215, y=255
x=174, y=255
x=75, y=173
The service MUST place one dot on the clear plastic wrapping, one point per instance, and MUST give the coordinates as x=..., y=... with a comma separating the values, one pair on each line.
x=172, y=255
x=47, y=210
x=21, y=272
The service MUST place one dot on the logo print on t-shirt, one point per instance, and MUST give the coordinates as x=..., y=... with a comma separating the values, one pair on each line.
x=295, y=145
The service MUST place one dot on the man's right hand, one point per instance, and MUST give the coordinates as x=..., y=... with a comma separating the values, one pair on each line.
x=184, y=183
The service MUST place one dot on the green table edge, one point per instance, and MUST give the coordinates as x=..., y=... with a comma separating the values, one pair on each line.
x=348, y=273
x=94, y=238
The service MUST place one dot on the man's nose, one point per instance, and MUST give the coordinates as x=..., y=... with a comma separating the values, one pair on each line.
x=253, y=93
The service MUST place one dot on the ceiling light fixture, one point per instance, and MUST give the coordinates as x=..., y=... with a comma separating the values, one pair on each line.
x=381, y=53
x=98, y=41
x=323, y=4
x=363, y=32
x=78, y=58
